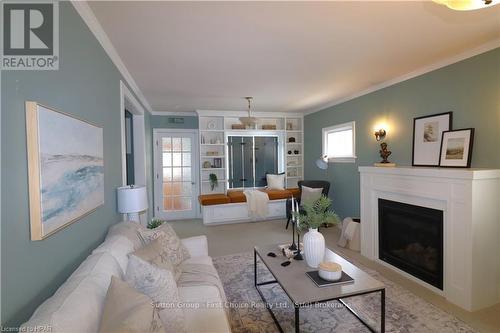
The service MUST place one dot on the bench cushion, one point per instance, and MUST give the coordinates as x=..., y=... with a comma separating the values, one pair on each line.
x=213, y=199
x=236, y=196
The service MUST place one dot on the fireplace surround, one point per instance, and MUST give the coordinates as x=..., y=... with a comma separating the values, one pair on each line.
x=469, y=201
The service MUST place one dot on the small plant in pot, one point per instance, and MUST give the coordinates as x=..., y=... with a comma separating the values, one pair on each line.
x=214, y=183
x=155, y=223
x=312, y=217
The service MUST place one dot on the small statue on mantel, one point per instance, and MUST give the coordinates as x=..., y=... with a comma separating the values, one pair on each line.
x=384, y=153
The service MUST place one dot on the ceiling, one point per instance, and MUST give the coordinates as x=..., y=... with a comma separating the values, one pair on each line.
x=291, y=56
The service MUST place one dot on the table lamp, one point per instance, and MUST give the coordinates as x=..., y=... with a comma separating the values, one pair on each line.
x=131, y=201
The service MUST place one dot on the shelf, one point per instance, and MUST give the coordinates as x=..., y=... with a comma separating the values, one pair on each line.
x=212, y=144
x=208, y=181
x=294, y=143
x=293, y=131
x=294, y=166
x=212, y=130
x=293, y=155
x=212, y=156
x=208, y=169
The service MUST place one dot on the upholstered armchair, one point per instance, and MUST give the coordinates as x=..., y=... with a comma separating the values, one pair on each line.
x=308, y=183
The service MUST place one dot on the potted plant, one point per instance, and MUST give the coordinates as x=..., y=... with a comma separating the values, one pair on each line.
x=155, y=223
x=311, y=217
x=213, y=181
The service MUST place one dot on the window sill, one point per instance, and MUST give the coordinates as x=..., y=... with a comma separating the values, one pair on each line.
x=342, y=159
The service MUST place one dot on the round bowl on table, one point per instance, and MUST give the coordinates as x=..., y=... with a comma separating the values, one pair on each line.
x=330, y=271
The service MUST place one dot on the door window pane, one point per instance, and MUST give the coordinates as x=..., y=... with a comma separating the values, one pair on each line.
x=186, y=144
x=167, y=174
x=186, y=174
x=176, y=159
x=176, y=144
x=167, y=159
x=167, y=144
x=167, y=203
x=186, y=159
x=186, y=188
x=176, y=174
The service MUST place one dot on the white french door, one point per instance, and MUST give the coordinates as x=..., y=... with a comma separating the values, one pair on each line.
x=176, y=174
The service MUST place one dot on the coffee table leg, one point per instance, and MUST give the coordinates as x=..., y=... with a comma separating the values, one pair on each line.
x=297, y=328
x=382, y=311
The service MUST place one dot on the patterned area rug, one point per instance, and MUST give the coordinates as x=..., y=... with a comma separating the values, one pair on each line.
x=405, y=312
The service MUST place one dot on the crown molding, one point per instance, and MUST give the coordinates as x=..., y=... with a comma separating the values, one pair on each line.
x=228, y=113
x=174, y=113
x=437, y=65
x=88, y=16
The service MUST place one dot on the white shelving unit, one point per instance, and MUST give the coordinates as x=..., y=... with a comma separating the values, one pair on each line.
x=213, y=127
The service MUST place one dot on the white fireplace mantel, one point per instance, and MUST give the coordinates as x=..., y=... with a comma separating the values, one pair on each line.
x=470, y=201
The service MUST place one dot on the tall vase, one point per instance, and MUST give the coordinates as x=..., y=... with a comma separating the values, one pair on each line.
x=314, y=247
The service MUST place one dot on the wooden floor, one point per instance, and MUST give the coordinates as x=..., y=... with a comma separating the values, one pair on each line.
x=238, y=238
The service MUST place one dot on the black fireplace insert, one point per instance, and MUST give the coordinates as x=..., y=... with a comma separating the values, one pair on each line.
x=411, y=238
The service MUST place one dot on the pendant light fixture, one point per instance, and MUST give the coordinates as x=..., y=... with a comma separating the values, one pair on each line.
x=249, y=121
x=467, y=4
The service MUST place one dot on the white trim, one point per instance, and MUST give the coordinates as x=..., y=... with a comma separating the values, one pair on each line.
x=174, y=113
x=95, y=27
x=259, y=114
x=421, y=71
x=351, y=125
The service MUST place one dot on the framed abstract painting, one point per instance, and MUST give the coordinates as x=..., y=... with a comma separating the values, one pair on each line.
x=456, y=148
x=427, y=133
x=65, y=166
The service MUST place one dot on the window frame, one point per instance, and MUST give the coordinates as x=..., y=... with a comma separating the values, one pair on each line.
x=339, y=128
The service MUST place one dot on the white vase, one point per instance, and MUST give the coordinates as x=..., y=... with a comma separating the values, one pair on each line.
x=314, y=247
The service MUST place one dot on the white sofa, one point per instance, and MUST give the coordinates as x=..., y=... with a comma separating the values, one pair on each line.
x=78, y=304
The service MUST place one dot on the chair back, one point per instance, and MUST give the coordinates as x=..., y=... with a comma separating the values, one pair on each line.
x=316, y=184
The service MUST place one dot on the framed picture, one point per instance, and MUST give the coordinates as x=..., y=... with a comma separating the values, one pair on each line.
x=427, y=132
x=456, y=148
x=65, y=166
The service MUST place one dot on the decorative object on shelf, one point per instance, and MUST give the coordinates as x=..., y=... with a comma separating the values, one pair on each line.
x=217, y=163
x=289, y=126
x=380, y=134
x=385, y=153
x=207, y=165
x=212, y=153
x=296, y=151
x=456, y=148
x=322, y=162
x=202, y=139
x=314, y=216
x=238, y=126
x=65, y=169
x=467, y=4
x=155, y=223
x=131, y=201
x=249, y=122
x=211, y=125
x=214, y=183
x=291, y=139
x=330, y=271
x=218, y=141
x=289, y=152
x=268, y=127
x=427, y=135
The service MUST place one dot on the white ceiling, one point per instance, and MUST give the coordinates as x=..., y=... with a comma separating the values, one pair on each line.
x=291, y=56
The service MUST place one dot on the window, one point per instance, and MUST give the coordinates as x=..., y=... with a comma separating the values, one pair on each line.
x=339, y=142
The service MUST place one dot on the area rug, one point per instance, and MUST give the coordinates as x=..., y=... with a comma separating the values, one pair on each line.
x=405, y=312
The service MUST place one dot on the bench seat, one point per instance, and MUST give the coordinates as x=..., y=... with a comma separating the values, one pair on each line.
x=238, y=196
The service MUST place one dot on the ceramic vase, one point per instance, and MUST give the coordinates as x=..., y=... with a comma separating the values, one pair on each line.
x=314, y=247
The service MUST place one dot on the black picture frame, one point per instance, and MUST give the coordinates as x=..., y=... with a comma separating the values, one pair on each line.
x=415, y=160
x=470, y=144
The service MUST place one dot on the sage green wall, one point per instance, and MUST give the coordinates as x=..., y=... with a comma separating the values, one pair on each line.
x=470, y=88
x=190, y=122
x=87, y=85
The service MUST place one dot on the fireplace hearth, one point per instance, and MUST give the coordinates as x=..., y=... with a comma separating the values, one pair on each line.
x=411, y=239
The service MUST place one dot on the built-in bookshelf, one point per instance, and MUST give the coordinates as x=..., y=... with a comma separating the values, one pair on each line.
x=212, y=136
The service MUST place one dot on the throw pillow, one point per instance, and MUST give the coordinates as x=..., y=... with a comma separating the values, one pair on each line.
x=127, y=310
x=275, y=182
x=157, y=255
x=170, y=242
x=160, y=285
x=309, y=195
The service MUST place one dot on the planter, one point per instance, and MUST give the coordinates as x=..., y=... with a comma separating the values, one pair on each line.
x=314, y=247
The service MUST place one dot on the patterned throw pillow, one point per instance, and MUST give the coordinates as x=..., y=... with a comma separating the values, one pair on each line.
x=160, y=285
x=157, y=255
x=127, y=310
x=170, y=242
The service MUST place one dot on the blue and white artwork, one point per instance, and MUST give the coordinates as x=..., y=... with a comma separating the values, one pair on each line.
x=71, y=168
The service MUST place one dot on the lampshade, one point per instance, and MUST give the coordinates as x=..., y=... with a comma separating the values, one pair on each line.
x=132, y=199
x=322, y=163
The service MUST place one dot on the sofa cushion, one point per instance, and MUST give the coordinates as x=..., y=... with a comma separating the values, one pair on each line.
x=213, y=199
x=119, y=247
x=160, y=285
x=201, y=318
x=157, y=255
x=128, y=230
x=127, y=310
x=170, y=242
x=78, y=304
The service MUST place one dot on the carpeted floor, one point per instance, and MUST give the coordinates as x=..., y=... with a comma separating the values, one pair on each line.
x=405, y=312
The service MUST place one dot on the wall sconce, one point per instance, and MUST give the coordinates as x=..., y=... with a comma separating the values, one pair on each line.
x=380, y=134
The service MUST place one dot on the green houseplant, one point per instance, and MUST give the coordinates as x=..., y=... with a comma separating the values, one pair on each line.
x=154, y=223
x=213, y=181
x=312, y=217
